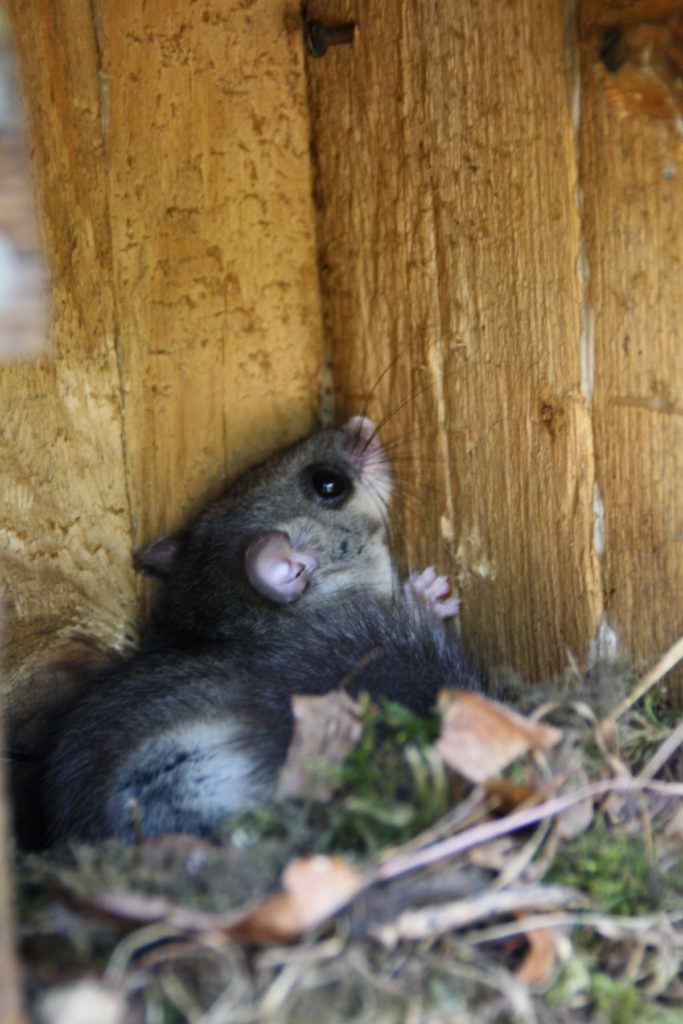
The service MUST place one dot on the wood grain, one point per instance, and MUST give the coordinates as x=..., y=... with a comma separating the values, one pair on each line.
x=632, y=175
x=495, y=238
x=170, y=146
x=215, y=269
x=450, y=240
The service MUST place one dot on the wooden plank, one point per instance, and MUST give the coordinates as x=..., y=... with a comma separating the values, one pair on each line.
x=632, y=175
x=171, y=154
x=215, y=270
x=450, y=237
x=65, y=519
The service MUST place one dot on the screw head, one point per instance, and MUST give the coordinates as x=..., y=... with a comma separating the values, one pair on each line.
x=319, y=37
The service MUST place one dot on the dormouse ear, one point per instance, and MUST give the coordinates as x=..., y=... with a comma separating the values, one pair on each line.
x=275, y=569
x=157, y=559
x=363, y=446
x=360, y=431
x=362, y=440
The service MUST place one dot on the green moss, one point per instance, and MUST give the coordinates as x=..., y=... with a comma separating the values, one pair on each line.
x=618, y=1001
x=607, y=1000
x=515, y=772
x=611, y=867
x=390, y=789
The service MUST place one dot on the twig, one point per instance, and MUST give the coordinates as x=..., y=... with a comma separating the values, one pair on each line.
x=281, y=956
x=644, y=928
x=430, y=921
x=403, y=864
x=650, y=679
x=462, y=816
x=667, y=749
x=517, y=863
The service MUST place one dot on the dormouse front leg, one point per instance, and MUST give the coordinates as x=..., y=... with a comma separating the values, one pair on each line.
x=433, y=591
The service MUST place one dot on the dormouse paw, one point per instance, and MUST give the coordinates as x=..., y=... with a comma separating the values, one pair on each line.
x=432, y=591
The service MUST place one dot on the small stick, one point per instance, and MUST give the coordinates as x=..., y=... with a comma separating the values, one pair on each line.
x=650, y=679
x=402, y=864
x=663, y=753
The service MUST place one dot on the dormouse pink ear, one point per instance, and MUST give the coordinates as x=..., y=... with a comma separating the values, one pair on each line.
x=364, y=448
x=361, y=433
x=275, y=570
x=157, y=558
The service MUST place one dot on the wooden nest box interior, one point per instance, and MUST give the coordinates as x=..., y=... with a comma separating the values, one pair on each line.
x=469, y=219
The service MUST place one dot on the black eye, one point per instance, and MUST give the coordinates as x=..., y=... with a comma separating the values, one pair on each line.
x=330, y=486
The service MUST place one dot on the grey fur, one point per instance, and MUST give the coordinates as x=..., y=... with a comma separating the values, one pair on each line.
x=198, y=725
x=205, y=593
x=191, y=737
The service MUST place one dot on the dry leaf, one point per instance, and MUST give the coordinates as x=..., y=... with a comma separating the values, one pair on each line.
x=511, y=795
x=480, y=737
x=313, y=889
x=538, y=965
x=325, y=729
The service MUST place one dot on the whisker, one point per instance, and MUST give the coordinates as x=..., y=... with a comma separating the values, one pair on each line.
x=390, y=451
x=402, y=402
x=415, y=459
x=407, y=483
x=409, y=398
x=392, y=443
x=381, y=377
x=409, y=502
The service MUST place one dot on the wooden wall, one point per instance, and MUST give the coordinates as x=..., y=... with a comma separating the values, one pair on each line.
x=171, y=155
x=631, y=177
x=493, y=233
x=501, y=234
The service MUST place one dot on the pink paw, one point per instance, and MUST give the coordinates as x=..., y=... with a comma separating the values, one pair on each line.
x=433, y=591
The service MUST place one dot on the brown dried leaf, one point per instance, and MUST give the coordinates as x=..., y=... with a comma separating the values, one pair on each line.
x=480, y=737
x=538, y=965
x=325, y=729
x=511, y=795
x=314, y=888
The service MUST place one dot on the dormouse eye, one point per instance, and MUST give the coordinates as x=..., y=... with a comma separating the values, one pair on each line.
x=329, y=486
